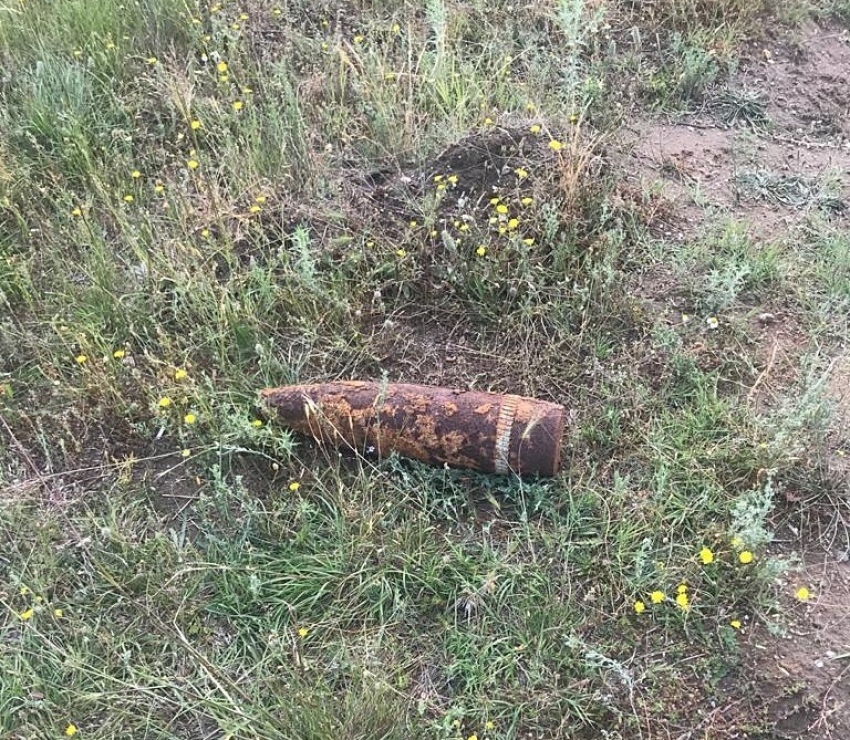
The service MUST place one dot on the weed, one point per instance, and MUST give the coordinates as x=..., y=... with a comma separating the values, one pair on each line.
x=743, y=106
x=789, y=190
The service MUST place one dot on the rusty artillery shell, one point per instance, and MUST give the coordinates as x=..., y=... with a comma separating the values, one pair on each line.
x=468, y=429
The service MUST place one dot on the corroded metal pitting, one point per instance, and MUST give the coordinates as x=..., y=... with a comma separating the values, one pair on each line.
x=468, y=429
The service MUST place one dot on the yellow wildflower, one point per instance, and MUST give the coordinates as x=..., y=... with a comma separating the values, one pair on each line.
x=473, y=736
x=294, y=486
x=190, y=418
x=396, y=28
x=555, y=145
x=128, y=198
x=27, y=614
x=238, y=105
x=521, y=173
x=488, y=121
x=71, y=730
x=501, y=208
x=159, y=188
x=452, y=179
x=303, y=632
x=205, y=233
x=745, y=557
x=77, y=212
x=527, y=201
x=81, y=359
x=401, y=253
x=180, y=373
x=135, y=174
x=494, y=201
x=802, y=594
x=535, y=128
x=58, y=613
x=164, y=402
x=185, y=452
x=193, y=164
x=152, y=61
x=656, y=597
x=195, y=124
x=261, y=199
x=681, y=588
x=359, y=39
x=682, y=600
x=119, y=353
x=221, y=67
x=255, y=208
x=25, y=591
x=706, y=555
x=481, y=251
x=735, y=624
x=489, y=725
x=413, y=224
x=513, y=224
x=639, y=607
x=529, y=241
x=257, y=423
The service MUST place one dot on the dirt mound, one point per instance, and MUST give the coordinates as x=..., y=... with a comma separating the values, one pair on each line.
x=460, y=182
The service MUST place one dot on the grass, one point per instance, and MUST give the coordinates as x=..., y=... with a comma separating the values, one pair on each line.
x=195, y=205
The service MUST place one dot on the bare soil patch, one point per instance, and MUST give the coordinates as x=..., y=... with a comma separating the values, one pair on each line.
x=806, y=83
x=798, y=683
x=771, y=176
x=709, y=172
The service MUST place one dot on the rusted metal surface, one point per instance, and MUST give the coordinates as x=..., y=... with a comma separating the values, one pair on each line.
x=468, y=429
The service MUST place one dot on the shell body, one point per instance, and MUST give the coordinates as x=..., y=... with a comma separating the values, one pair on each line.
x=490, y=432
